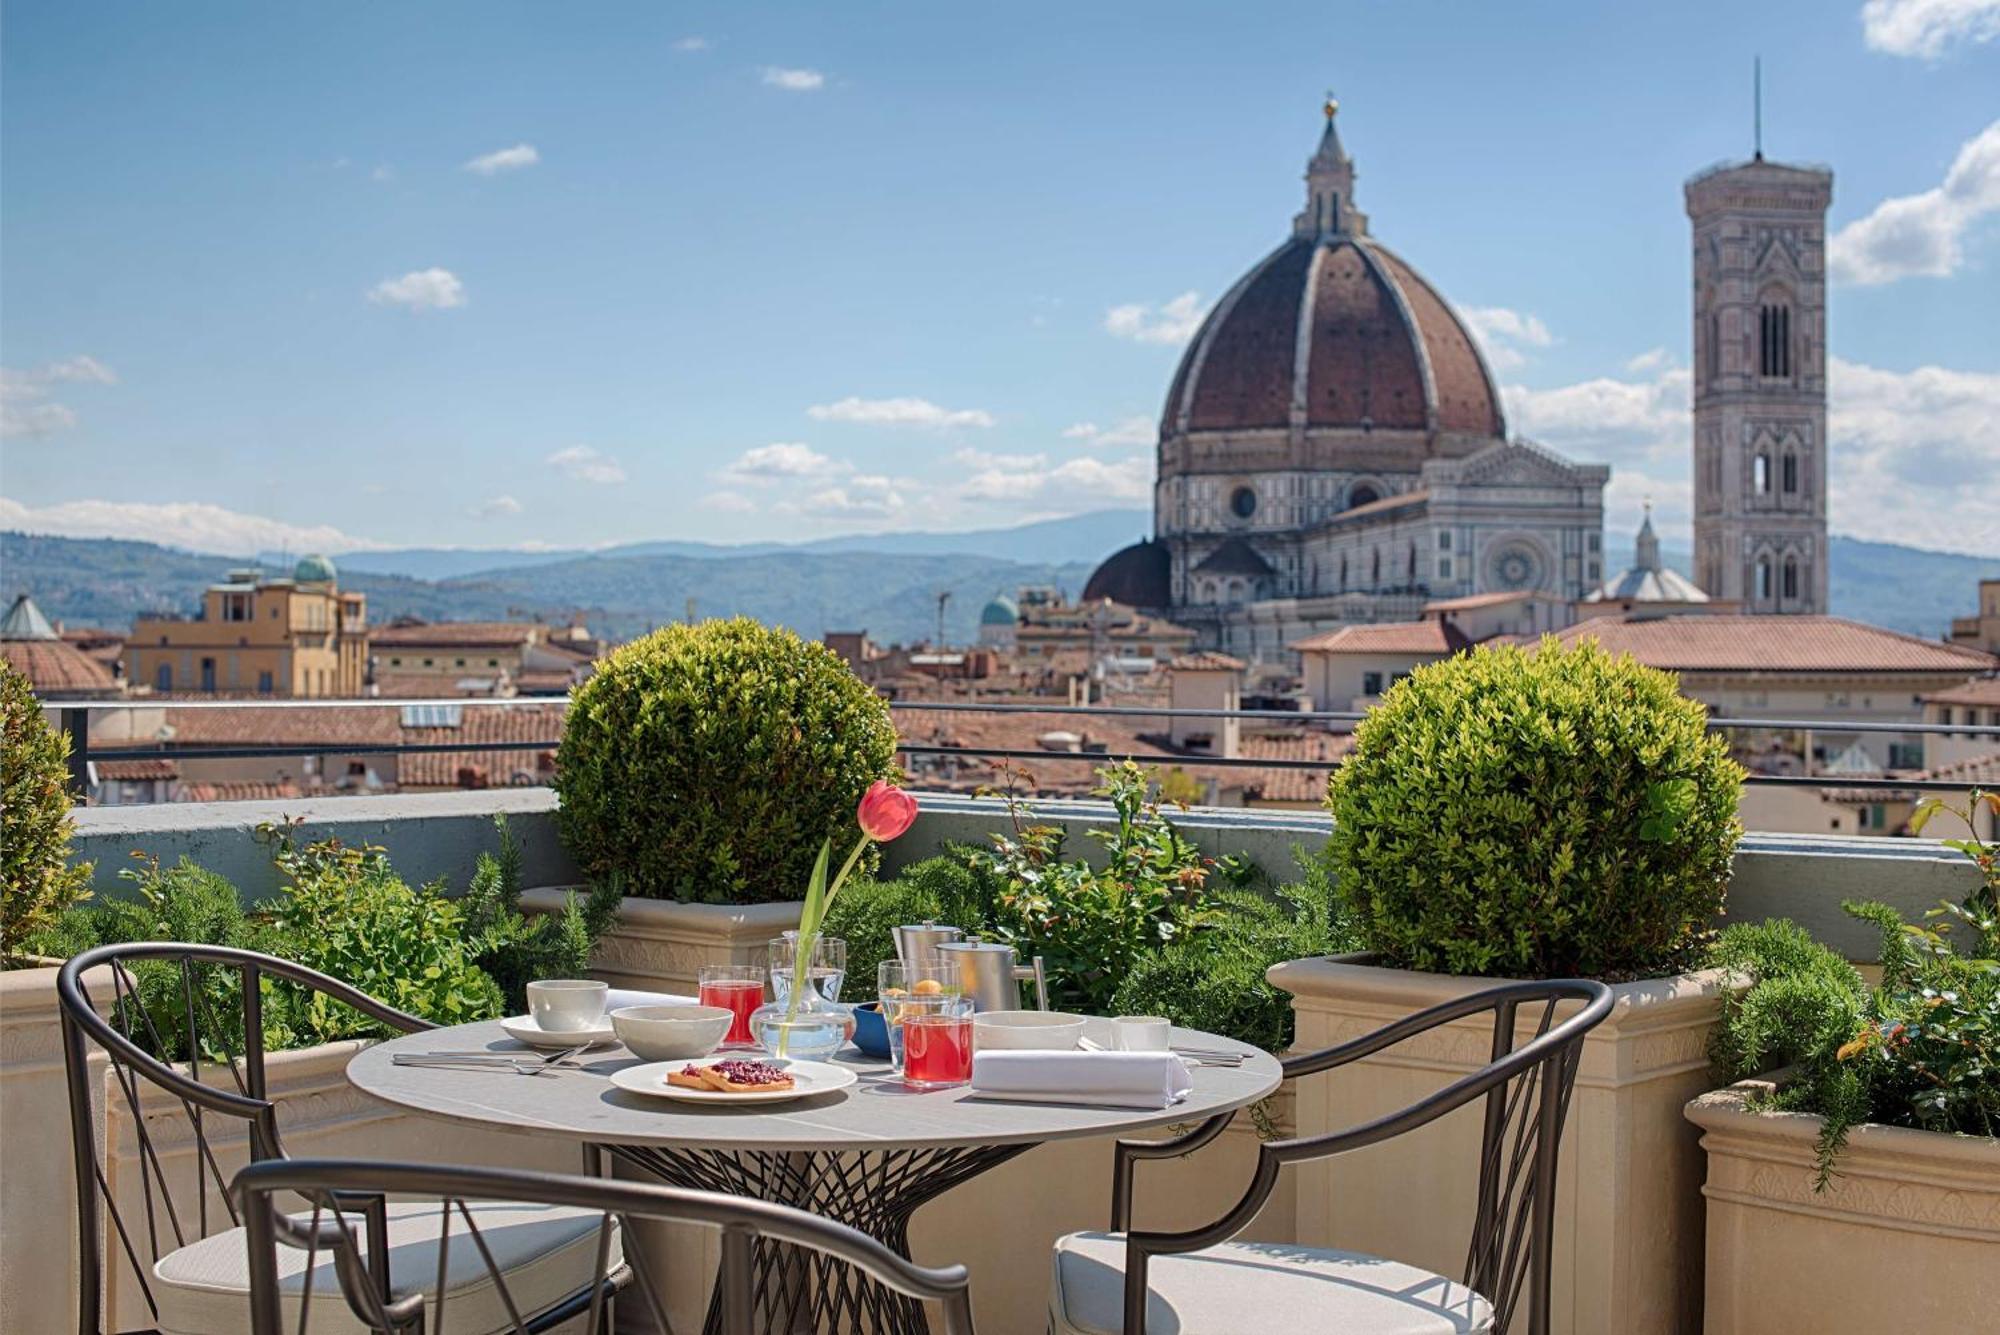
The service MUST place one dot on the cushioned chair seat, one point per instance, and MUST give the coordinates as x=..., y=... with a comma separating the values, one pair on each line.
x=546, y=1253
x=1257, y=1288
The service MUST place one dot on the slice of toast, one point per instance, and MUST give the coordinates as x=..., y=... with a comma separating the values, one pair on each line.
x=768, y=1079
x=688, y=1078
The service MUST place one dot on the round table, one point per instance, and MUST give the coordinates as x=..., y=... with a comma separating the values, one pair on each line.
x=868, y=1155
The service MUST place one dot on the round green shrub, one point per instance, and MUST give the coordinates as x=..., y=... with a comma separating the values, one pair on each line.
x=37, y=881
x=707, y=763
x=1536, y=813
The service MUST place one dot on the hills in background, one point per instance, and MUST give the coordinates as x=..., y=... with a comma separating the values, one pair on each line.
x=886, y=584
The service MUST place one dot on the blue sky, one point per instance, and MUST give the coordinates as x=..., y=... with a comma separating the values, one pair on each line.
x=508, y=274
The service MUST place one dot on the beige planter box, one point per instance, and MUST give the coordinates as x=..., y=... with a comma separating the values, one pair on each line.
x=1628, y=1211
x=37, y=1185
x=660, y=945
x=1906, y=1236
x=319, y=1115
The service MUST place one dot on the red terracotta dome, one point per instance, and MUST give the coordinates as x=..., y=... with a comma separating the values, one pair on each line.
x=1382, y=350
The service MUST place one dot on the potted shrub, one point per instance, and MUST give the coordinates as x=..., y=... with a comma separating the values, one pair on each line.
x=1528, y=812
x=1863, y=1123
x=706, y=764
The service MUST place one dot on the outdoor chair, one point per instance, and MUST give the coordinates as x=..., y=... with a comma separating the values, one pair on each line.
x=182, y=1236
x=1199, y=1282
x=292, y=1253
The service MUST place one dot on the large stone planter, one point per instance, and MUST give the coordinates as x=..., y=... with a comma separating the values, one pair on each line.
x=1628, y=1211
x=37, y=1187
x=319, y=1115
x=1906, y=1235
x=660, y=945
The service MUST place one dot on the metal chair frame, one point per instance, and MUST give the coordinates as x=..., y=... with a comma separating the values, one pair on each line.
x=1513, y=1228
x=742, y=1222
x=130, y=1064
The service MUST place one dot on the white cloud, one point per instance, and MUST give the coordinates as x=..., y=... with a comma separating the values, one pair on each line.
x=898, y=412
x=1922, y=234
x=857, y=498
x=420, y=290
x=1909, y=450
x=690, y=45
x=1926, y=28
x=1074, y=483
x=27, y=412
x=728, y=502
x=495, y=507
x=1172, y=322
x=1650, y=360
x=779, y=460
x=1503, y=334
x=583, y=464
x=195, y=526
x=793, y=80
x=1121, y=434
x=504, y=160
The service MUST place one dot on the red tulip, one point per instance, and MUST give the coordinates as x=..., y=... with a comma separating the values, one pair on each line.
x=885, y=811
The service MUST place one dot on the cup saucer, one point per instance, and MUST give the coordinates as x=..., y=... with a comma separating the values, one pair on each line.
x=524, y=1029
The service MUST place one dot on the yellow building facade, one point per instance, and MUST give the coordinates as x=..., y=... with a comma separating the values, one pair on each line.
x=258, y=635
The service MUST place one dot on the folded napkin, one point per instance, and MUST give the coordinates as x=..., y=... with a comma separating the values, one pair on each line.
x=620, y=997
x=1147, y=1080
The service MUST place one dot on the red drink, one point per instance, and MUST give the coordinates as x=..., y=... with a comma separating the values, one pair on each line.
x=937, y=1050
x=739, y=996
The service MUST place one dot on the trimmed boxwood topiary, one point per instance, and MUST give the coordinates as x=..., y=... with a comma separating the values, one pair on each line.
x=1536, y=813
x=37, y=881
x=708, y=763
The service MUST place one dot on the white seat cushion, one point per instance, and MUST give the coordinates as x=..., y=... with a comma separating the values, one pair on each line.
x=1257, y=1288
x=546, y=1252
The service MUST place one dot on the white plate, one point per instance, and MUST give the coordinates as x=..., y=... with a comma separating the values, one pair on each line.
x=808, y=1079
x=524, y=1028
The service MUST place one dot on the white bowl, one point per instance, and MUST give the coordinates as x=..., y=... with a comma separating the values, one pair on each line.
x=671, y=1033
x=1019, y=1031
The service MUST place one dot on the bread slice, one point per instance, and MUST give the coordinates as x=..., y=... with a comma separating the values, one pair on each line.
x=745, y=1077
x=688, y=1077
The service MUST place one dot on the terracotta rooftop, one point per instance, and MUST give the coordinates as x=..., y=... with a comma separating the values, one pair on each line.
x=527, y=767
x=1982, y=770
x=1478, y=600
x=1206, y=660
x=1754, y=643
x=1979, y=691
x=1433, y=636
x=459, y=634
x=1289, y=785
x=56, y=668
x=276, y=726
x=136, y=771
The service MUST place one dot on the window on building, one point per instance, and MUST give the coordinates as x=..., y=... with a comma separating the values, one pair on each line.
x=1774, y=346
x=1362, y=495
x=264, y=683
x=1791, y=583
x=1444, y=540
x=163, y=677
x=1444, y=567
x=1593, y=542
x=1791, y=474
x=1763, y=579
x=1714, y=346
x=208, y=674
x=1243, y=502
x=1371, y=683
x=1760, y=474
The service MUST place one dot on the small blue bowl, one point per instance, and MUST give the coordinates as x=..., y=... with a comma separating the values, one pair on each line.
x=871, y=1035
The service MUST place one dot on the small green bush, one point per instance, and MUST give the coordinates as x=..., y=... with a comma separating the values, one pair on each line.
x=1215, y=980
x=515, y=950
x=1536, y=813
x=37, y=882
x=865, y=914
x=708, y=763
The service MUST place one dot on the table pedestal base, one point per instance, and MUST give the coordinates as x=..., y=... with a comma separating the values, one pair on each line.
x=875, y=1191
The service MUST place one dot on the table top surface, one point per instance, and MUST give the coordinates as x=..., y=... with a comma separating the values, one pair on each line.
x=876, y=1113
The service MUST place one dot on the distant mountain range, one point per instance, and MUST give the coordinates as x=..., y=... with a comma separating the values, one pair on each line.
x=886, y=584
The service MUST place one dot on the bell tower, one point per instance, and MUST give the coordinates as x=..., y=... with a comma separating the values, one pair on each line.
x=1760, y=451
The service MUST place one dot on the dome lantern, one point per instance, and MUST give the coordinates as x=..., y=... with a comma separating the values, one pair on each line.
x=1330, y=177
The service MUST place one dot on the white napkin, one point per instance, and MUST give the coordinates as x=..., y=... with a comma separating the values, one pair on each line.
x=620, y=997
x=1148, y=1080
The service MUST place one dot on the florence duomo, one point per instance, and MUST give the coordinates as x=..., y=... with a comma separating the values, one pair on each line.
x=1333, y=449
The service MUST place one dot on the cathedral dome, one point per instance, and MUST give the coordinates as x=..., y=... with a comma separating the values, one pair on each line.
x=1138, y=576
x=1000, y=610
x=313, y=569
x=1380, y=348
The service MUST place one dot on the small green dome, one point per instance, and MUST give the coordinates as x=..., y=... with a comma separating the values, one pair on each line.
x=1001, y=611
x=313, y=570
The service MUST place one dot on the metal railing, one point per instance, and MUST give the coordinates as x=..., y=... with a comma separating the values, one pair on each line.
x=75, y=720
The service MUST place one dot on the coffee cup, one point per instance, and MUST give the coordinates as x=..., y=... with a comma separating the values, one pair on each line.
x=567, y=1005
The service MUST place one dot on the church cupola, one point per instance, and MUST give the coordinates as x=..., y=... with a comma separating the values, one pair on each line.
x=1330, y=207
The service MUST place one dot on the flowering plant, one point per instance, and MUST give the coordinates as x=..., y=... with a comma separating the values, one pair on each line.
x=885, y=812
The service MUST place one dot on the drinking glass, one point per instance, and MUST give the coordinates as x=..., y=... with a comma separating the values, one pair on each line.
x=925, y=986
x=825, y=969
x=738, y=989
x=937, y=1043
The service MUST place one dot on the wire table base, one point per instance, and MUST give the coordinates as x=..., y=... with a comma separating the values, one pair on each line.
x=875, y=1191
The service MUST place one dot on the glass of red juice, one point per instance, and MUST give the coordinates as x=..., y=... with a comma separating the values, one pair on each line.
x=937, y=1045
x=738, y=989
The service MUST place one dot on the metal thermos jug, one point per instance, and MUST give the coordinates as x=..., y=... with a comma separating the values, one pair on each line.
x=918, y=944
x=987, y=973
